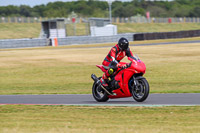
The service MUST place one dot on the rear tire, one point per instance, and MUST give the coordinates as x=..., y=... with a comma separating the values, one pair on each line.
x=99, y=94
x=141, y=92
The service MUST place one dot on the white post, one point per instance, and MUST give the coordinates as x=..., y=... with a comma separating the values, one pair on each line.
x=110, y=10
x=110, y=13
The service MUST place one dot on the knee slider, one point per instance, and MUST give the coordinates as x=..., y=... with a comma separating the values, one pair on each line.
x=111, y=71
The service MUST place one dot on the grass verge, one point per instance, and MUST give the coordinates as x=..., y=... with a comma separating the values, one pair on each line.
x=156, y=27
x=67, y=119
x=19, y=30
x=32, y=30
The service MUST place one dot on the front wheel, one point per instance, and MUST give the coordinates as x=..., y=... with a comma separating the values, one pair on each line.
x=99, y=94
x=140, y=89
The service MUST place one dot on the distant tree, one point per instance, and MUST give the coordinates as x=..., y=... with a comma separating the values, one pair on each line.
x=120, y=11
x=81, y=7
x=38, y=11
x=179, y=10
x=183, y=2
x=195, y=12
x=157, y=11
x=25, y=11
x=136, y=3
x=9, y=11
x=140, y=11
x=96, y=8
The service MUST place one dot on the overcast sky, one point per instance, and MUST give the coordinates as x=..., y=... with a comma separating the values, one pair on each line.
x=31, y=2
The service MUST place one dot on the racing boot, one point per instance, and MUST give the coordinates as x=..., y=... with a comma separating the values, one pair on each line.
x=103, y=81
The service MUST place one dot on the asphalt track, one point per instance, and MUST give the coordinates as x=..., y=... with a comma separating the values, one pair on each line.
x=179, y=99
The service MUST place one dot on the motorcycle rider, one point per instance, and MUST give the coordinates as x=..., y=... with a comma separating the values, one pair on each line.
x=115, y=55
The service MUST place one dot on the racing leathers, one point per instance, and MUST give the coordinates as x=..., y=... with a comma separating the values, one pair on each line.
x=111, y=62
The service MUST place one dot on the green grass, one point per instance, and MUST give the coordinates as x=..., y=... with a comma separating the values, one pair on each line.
x=72, y=119
x=156, y=27
x=32, y=30
x=63, y=70
x=77, y=29
x=19, y=30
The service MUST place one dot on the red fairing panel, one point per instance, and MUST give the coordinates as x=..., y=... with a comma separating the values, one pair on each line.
x=101, y=67
x=123, y=76
x=139, y=66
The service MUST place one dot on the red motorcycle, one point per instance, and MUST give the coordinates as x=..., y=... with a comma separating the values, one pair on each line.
x=125, y=83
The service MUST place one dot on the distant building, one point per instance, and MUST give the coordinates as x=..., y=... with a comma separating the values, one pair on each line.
x=102, y=27
x=54, y=28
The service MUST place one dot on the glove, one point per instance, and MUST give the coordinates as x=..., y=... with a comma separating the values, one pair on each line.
x=122, y=66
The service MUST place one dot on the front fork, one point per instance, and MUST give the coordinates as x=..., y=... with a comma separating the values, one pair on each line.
x=133, y=83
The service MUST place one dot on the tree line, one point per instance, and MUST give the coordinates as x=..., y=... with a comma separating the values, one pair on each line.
x=94, y=8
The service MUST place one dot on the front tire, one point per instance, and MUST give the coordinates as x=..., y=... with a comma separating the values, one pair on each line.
x=141, y=91
x=99, y=94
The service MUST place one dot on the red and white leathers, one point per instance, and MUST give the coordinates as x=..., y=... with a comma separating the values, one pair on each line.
x=115, y=54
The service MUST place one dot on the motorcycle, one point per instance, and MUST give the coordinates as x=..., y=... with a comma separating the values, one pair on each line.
x=124, y=83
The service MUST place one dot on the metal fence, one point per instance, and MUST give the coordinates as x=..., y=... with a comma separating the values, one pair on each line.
x=156, y=20
x=134, y=19
x=36, y=19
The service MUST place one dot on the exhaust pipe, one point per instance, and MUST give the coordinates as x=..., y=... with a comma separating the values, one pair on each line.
x=94, y=77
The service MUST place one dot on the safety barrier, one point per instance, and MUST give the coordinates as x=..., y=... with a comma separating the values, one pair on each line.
x=36, y=42
x=23, y=43
x=167, y=35
x=93, y=40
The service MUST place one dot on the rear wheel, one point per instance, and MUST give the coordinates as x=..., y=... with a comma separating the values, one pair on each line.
x=99, y=94
x=141, y=91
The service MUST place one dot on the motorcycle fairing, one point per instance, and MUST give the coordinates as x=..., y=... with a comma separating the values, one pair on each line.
x=139, y=66
x=101, y=67
x=123, y=78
